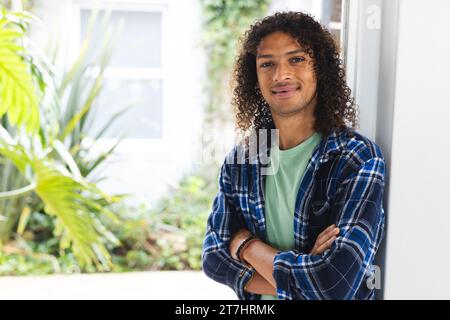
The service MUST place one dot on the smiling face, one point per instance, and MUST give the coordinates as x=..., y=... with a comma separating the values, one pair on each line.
x=286, y=75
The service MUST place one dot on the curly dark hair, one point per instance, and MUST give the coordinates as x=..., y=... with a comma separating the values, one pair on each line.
x=335, y=105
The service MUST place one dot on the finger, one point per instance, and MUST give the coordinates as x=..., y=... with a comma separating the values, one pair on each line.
x=328, y=229
x=325, y=232
x=333, y=233
x=326, y=245
x=328, y=235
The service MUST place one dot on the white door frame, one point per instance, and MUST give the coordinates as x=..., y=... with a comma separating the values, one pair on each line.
x=370, y=40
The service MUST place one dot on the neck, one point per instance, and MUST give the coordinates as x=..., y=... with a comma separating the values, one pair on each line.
x=294, y=129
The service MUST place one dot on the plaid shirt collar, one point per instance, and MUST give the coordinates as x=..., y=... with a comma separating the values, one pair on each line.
x=335, y=143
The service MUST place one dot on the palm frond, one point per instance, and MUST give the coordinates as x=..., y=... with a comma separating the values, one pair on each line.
x=70, y=201
x=17, y=91
x=63, y=198
x=112, y=120
x=89, y=166
x=75, y=121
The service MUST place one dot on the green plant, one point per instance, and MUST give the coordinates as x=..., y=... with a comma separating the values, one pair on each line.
x=169, y=236
x=51, y=172
x=19, y=97
x=224, y=23
x=21, y=88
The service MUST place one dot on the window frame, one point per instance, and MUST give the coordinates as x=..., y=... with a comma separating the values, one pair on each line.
x=147, y=146
x=361, y=52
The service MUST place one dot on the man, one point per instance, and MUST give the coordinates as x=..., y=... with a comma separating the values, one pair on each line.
x=311, y=228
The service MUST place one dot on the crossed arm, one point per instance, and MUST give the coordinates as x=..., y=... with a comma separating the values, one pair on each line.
x=260, y=256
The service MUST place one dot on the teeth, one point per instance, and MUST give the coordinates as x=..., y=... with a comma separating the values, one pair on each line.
x=284, y=91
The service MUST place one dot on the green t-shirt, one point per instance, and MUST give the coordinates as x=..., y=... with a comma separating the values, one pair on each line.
x=281, y=193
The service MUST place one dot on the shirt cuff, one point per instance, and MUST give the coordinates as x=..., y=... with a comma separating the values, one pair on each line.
x=282, y=266
x=243, y=278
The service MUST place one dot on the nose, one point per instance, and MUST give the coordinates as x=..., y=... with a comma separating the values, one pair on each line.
x=282, y=73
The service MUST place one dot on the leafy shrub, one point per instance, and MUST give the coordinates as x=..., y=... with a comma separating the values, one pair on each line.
x=167, y=237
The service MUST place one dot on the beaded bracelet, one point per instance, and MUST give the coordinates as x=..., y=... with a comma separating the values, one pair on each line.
x=242, y=246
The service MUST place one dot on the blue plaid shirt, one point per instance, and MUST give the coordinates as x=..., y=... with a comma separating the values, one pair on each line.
x=343, y=184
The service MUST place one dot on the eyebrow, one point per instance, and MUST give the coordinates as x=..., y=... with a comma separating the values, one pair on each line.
x=262, y=56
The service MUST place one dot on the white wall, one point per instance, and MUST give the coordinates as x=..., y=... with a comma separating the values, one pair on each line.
x=418, y=243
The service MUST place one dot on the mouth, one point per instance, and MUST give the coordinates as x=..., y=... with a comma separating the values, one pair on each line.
x=285, y=92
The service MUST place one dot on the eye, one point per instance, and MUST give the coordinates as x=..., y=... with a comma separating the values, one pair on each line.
x=266, y=64
x=297, y=59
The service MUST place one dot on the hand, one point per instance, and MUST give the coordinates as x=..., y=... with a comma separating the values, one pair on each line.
x=325, y=240
x=236, y=241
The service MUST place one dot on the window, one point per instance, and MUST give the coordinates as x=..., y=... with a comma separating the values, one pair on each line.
x=134, y=77
x=331, y=18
